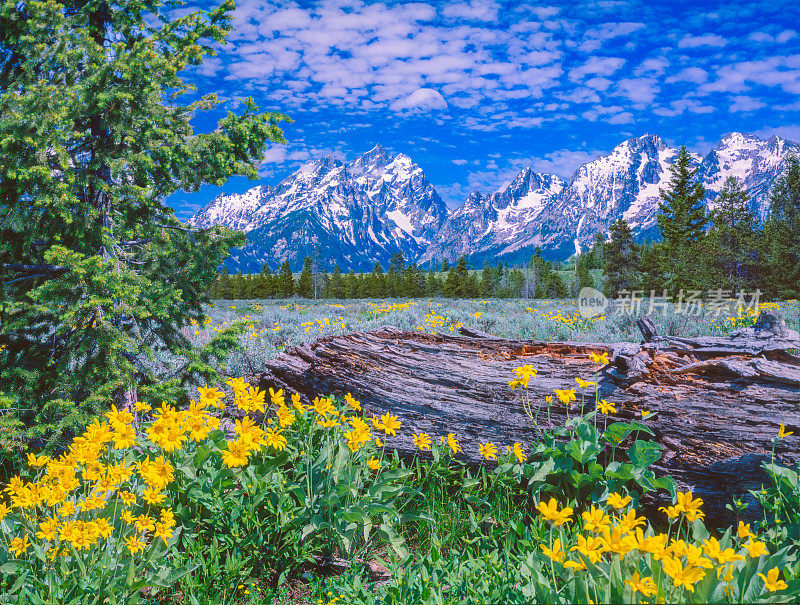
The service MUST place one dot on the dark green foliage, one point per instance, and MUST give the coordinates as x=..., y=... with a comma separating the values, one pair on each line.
x=621, y=260
x=732, y=238
x=782, y=235
x=98, y=275
x=682, y=221
x=305, y=285
x=285, y=286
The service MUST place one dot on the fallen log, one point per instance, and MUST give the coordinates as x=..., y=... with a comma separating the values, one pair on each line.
x=720, y=401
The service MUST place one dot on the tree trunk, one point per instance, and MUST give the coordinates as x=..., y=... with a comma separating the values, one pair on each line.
x=720, y=401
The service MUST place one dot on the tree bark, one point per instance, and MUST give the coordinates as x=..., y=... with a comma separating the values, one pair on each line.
x=720, y=401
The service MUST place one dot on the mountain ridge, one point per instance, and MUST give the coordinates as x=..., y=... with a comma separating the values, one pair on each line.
x=362, y=212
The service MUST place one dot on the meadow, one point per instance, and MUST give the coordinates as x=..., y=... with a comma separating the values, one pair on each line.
x=247, y=496
x=277, y=324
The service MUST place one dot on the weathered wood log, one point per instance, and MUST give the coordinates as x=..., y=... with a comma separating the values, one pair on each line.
x=719, y=401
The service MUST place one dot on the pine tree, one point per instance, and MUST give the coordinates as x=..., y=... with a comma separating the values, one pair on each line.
x=621, y=260
x=451, y=287
x=285, y=286
x=682, y=221
x=782, y=234
x=224, y=288
x=337, y=289
x=432, y=285
x=732, y=237
x=445, y=266
x=487, y=281
x=462, y=278
x=584, y=278
x=377, y=285
x=97, y=272
x=351, y=289
x=305, y=285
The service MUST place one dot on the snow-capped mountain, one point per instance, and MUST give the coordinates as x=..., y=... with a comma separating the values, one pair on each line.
x=488, y=225
x=364, y=211
x=355, y=214
x=753, y=161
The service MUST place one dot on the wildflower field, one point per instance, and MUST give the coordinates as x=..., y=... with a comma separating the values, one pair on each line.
x=242, y=496
x=276, y=324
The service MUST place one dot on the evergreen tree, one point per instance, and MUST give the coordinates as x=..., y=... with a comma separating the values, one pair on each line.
x=97, y=272
x=732, y=237
x=377, y=286
x=584, y=278
x=621, y=260
x=782, y=234
x=432, y=285
x=305, y=285
x=445, y=266
x=351, y=285
x=682, y=221
x=487, y=281
x=237, y=286
x=266, y=283
x=651, y=268
x=224, y=287
x=285, y=285
x=451, y=287
x=337, y=289
x=462, y=277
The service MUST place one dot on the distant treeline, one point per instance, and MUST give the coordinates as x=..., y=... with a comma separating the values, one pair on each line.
x=727, y=249
x=538, y=280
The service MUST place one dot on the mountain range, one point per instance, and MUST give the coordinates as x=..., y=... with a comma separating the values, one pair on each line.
x=364, y=211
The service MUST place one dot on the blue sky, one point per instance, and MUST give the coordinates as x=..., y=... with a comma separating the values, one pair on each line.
x=475, y=90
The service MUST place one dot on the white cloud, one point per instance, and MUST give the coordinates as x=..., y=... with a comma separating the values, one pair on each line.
x=638, y=90
x=601, y=66
x=785, y=36
x=690, y=74
x=563, y=162
x=424, y=99
x=459, y=162
x=791, y=132
x=690, y=41
x=477, y=10
x=745, y=103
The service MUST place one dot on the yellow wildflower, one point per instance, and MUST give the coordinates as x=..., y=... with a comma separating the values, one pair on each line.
x=755, y=548
x=453, y=444
x=422, y=441
x=488, y=450
x=19, y=545
x=296, y=403
x=551, y=512
x=618, y=501
x=520, y=455
x=584, y=383
x=743, y=530
x=275, y=439
x=387, y=423
x=606, y=408
x=784, y=433
x=135, y=544
x=644, y=585
x=771, y=581
x=374, y=464
x=565, y=395
x=599, y=357
x=595, y=519
x=556, y=554
x=236, y=454
x=353, y=403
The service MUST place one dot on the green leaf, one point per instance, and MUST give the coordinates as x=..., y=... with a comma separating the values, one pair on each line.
x=644, y=453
